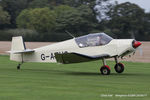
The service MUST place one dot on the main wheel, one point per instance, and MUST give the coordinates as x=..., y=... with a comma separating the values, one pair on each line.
x=119, y=68
x=105, y=70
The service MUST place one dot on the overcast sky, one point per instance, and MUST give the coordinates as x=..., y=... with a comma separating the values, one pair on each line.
x=142, y=3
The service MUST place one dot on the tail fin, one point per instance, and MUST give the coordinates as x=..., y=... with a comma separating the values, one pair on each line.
x=18, y=49
x=17, y=44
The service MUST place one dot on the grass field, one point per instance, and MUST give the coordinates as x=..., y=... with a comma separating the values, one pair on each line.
x=45, y=81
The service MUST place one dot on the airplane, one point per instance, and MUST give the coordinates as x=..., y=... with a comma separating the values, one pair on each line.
x=85, y=48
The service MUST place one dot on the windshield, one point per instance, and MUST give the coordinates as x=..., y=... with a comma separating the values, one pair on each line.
x=96, y=39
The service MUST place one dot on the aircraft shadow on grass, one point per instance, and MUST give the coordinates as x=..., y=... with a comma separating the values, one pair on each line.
x=75, y=73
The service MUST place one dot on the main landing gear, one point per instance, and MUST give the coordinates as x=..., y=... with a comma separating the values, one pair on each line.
x=105, y=69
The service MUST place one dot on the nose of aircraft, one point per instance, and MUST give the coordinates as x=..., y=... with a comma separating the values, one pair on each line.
x=136, y=44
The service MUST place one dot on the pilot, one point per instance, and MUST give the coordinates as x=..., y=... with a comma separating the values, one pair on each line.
x=98, y=41
x=103, y=42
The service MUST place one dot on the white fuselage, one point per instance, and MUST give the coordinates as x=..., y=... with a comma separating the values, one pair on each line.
x=115, y=47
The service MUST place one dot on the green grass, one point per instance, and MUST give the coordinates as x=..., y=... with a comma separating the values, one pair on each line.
x=46, y=81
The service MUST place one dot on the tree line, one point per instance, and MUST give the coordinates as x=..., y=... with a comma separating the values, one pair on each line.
x=48, y=20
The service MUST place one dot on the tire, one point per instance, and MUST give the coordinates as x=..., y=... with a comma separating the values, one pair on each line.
x=119, y=68
x=18, y=67
x=105, y=70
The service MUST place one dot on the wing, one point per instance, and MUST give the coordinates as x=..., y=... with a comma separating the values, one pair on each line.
x=67, y=58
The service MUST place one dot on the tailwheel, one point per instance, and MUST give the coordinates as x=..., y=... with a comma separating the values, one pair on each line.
x=119, y=67
x=105, y=70
x=18, y=67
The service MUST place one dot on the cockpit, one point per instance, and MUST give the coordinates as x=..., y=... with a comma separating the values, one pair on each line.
x=96, y=39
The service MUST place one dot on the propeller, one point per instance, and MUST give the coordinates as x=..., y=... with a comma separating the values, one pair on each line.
x=140, y=50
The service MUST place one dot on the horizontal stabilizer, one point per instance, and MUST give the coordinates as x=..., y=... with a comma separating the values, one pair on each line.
x=22, y=51
x=67, y=58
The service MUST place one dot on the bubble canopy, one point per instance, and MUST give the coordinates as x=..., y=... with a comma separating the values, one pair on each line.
x=95, y=39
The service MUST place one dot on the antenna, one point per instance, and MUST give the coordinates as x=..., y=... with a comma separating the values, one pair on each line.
x=70, y=34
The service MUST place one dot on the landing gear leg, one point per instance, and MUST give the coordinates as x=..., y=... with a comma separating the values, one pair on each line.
x=119, y=67
x=19, y=65
x=104, y=61
x=105, y=69
x=116, y=60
